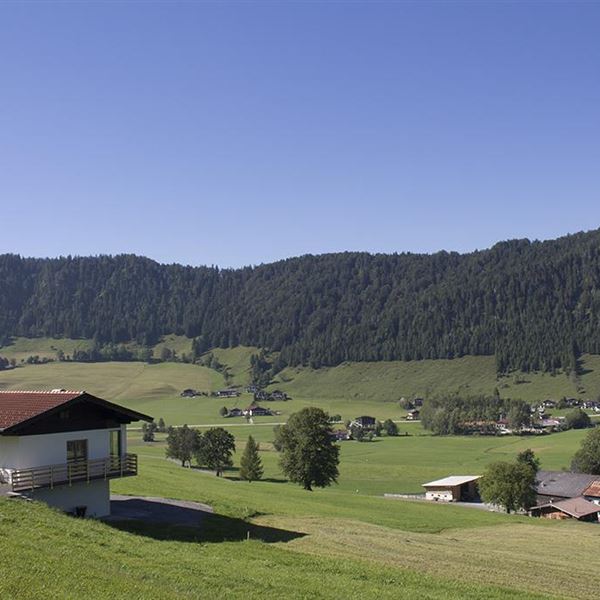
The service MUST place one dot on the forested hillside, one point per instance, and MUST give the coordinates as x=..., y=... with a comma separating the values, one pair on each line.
x=535, y=305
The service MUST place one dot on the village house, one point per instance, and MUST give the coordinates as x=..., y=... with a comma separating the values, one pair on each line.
x=339, y=435
x=226, y=393
x=413, y=415
x=367, y=423
x=189, y=393
x=254, y=410
x=553, y=486
x=455, y=488
x=572, y=508
x=63, y=448
x=235, y=412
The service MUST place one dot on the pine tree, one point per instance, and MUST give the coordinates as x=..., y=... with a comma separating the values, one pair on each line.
x=251, y=463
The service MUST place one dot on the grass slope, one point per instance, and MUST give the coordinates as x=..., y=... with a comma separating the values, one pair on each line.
x=469, y=375
x=473, y=547
x=349, y=389
x=69, y=558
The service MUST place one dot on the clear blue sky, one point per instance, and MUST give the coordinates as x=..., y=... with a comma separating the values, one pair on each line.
x=238, y=133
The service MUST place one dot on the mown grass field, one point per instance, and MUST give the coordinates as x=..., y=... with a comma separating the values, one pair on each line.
x=54, y=556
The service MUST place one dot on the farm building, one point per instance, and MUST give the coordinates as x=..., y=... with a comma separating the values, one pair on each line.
x=560, y=485
x=254, y=410
x=571, y=508
x=456, y=488
x=227, y=394
x=63, y=448
x=364, y=422
x=413, y=415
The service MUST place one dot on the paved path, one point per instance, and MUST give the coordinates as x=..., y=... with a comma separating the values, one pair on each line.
x=157, y=510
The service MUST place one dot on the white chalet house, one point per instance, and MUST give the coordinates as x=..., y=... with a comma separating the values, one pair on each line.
x=63, y=448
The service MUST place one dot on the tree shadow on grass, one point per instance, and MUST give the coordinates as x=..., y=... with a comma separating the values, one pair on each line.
x=258, y=482
x=183, y=524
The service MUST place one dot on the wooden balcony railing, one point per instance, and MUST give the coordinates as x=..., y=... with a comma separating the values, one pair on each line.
x=68, y=473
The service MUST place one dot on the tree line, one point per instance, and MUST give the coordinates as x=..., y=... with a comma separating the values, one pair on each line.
x=534, y=305
x=455, y=415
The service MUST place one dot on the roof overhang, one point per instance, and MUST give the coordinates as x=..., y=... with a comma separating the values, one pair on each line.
x=452, y=481
x=127, y=413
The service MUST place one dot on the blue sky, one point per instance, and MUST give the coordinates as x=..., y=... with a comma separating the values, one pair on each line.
x=238, y=133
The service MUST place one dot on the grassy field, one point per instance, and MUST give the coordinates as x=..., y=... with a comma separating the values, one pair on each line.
x=328, y=543
x=69, y=558
x=473, y=547
x=390, y=381
x=346, y=540
x=402, y=464
x=349, y=389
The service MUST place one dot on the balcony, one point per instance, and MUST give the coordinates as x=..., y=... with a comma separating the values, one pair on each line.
x=23, y=480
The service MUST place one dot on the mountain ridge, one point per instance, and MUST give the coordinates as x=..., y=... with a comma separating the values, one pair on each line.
x=534, y=305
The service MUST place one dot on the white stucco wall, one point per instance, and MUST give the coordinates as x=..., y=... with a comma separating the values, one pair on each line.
x=443, y=495
x=94, y=495
x=21, y=452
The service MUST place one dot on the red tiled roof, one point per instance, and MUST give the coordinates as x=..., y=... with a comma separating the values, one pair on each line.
x=593, y=489
x=19, y=406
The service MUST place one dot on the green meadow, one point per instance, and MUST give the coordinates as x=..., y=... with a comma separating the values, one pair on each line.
x=350, y=389
x=273, y=539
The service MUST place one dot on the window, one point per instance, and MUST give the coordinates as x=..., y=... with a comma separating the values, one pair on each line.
x=115, y=443
x=77, y=451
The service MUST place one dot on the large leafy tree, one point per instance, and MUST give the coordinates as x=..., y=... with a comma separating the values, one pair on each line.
x=577, y=419
x=251, y=468
x=182, y=443
x=511, y=485
x=587, y=458
x=309, y=456
x=528, y=457
x=215, y=450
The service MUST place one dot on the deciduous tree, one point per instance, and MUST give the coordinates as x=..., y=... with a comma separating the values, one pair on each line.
x=309, y=455
x=510, y=485
x=587, y=458
x=182, y=444
x=215, y=450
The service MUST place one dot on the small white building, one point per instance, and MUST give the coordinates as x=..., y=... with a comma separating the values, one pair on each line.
x=456, y=488
x=63, y=448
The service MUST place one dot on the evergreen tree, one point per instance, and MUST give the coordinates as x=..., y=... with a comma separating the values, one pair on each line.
x=251, y=464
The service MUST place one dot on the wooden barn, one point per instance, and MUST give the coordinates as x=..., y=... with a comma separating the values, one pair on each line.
x=456, y=488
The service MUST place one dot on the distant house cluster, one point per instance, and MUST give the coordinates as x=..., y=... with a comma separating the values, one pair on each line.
x=229, y=393
x=559, y=494
x=254, y=410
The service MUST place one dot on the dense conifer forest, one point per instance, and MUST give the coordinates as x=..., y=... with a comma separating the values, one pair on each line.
x=534, y=305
